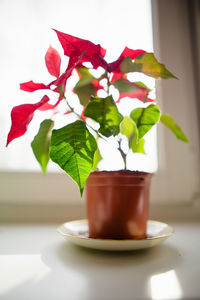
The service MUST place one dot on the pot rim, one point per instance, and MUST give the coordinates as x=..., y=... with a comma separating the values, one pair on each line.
x=121, y=173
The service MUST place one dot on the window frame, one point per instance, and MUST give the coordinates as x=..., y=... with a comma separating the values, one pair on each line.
x=176, y=184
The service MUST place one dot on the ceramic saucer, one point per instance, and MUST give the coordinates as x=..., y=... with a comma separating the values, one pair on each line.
x=77, y=233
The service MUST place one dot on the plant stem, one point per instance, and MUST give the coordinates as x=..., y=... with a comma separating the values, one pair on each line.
x=108, y=83
x=119, y=142
x=123, y=156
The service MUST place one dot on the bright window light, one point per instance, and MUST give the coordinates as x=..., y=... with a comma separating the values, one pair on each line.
x=26, y=36
x=165, y=286
x=19, y=269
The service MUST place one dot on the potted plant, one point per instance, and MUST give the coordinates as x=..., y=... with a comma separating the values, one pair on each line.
x=117, y=201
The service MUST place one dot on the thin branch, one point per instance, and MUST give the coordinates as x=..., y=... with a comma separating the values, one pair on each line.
x=82, y=119
x=122, y=154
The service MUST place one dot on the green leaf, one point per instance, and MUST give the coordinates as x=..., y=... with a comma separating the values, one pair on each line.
x=129, y=129
x=145, y=118
x=84, y=87
x=141, y=84
x=168, y=121
x=124, y=86
x=147, y=64
x=40, y=144
x=72, y=148
x=105, y=112
x=86, y=77
x=97, y=159
x=138, y=147
x=127, y=65
x=84, y=93
x=60, y=89
x=131, y=89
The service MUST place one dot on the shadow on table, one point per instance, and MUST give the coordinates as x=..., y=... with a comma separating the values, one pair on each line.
x=112, y=275
x=160, y=258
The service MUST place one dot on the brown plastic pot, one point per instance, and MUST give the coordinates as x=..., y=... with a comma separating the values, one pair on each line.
x=117, y=204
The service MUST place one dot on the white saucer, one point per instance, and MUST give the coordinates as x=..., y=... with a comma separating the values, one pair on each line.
x=77, y=233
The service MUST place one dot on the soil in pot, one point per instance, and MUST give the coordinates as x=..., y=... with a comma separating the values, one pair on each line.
x=117, y=204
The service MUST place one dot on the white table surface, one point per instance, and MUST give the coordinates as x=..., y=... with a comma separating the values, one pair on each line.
x=36, y=263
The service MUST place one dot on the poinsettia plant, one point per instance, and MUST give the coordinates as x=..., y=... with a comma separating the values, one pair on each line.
x=74, y=147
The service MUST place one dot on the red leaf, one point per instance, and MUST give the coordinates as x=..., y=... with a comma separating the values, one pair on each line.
x=71, y=43
x=73, y=62
x=48, y=106
x=53, y=61
x=82, y=114
x=99, y=61
x=150, y=100
x=21, y=116
x=117, y=75
x=131, y=53
x=31, y=86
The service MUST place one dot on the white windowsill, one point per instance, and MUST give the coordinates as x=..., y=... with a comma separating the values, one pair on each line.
x=59, y=213
x=37, y=263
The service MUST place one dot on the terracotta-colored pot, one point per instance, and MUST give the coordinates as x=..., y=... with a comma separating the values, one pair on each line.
x=117, y=204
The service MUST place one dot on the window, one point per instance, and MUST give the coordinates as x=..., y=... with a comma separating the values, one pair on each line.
x=177, y=179
x=84, y=19
x=113, y=25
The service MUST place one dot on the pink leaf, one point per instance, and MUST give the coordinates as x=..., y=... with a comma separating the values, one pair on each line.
x=31, y=86
x=53, y=61
x=72, y=44
x=46, y=106
x=21, y=116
